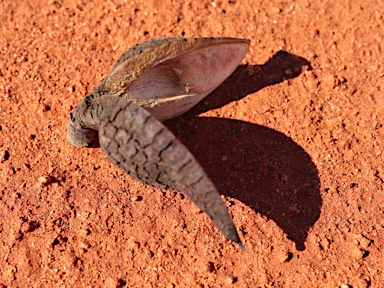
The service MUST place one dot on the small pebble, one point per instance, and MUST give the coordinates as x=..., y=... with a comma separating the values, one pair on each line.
x=294, y=210
x=9, y=171
x=283, y=256
x=362, y=241
x=230, y=280
x=84, y=244
x=46, y=108
x=357, y=253
x=136, y=198
x=45, y=180
x=4, y=156
x=71, y=89
x=210, y=267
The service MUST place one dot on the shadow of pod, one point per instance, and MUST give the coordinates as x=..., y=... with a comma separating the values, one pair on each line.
x=263, y=168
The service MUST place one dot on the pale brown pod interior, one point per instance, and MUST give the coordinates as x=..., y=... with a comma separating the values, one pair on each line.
x=180, y=83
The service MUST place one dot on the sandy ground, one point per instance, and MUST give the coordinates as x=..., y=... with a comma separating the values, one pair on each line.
x=293, y=140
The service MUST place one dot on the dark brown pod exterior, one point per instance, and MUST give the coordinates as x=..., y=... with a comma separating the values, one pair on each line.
x=144, y=148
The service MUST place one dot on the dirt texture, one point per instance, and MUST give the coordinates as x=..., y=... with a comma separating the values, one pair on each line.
x=293, y=140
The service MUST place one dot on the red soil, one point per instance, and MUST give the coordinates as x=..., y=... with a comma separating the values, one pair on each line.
x=293, y=140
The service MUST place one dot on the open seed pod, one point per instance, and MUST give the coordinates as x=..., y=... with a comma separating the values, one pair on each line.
x=151, y=82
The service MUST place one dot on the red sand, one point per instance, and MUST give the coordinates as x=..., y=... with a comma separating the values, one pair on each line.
x=293, y=140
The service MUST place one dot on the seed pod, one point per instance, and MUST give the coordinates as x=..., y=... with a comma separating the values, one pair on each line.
x=152, y=82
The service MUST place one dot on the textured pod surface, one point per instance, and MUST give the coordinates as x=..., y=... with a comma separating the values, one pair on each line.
x=141, y=146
